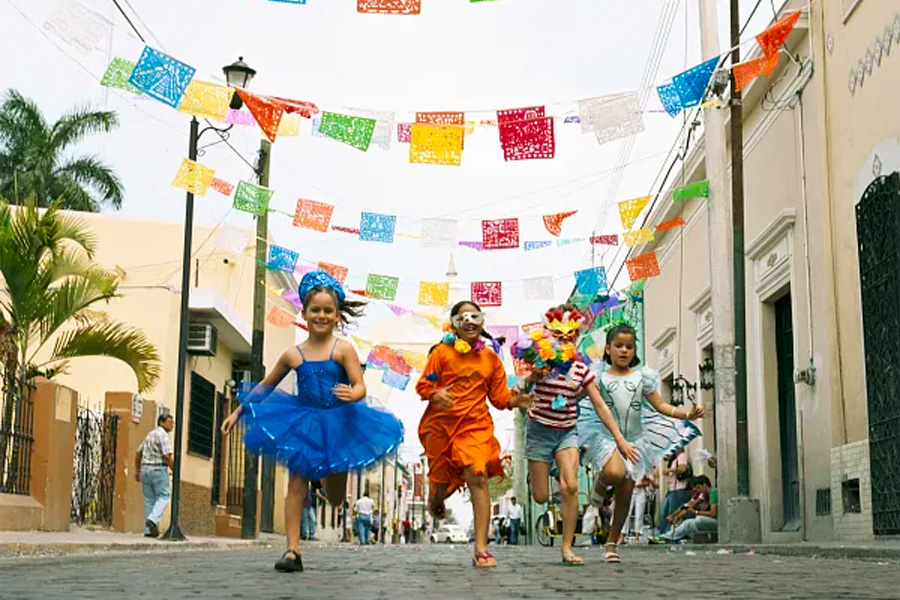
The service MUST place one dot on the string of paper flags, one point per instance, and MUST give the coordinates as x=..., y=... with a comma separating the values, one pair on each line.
x=434, y=137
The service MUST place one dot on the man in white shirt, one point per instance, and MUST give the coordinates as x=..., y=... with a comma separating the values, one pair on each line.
x=364, y=507
x=152, y=463
x=514, y=514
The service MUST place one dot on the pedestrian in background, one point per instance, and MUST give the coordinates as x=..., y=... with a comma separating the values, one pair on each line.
x=310, y=511
x=514, y=516
x=152, y=463
x=364, y=509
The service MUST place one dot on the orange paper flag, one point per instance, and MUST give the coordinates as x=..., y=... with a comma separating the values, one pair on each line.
x=553, y=223
x=670, y=224
x=267, y=112
x=643, y=266
x=771, y=40
x=746, y=72
x=280, y=317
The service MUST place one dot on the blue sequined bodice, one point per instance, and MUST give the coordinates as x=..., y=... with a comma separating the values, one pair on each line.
x=315, y=380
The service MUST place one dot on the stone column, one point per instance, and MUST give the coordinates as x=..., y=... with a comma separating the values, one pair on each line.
x=128, y=503
x=55, y=412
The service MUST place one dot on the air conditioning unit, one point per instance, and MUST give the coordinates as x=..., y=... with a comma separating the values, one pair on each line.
x=201, y=339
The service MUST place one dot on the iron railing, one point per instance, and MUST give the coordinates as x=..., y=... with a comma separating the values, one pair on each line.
x=94, y=467
x=16, y=437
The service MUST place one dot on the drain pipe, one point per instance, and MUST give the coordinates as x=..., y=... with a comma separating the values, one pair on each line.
x=808, y=375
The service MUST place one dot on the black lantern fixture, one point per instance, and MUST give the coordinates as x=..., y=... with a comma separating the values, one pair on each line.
x=238, y=75
x=707, y=375
x=683, y=391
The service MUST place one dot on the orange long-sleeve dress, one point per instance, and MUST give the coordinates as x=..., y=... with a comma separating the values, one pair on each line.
x=463, y=435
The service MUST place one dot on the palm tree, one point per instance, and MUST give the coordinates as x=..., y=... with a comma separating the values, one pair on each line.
x=51, y=290
x=36, y=162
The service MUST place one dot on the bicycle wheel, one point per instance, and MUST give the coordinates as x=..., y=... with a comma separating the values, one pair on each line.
x=542, y=529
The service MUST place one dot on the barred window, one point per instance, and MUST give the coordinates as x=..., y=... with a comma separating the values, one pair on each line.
x=202, y=416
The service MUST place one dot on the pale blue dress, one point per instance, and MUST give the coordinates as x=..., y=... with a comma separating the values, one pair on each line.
x=655, y=435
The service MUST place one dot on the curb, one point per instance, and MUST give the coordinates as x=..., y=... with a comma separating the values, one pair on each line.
x=802, y=550
x=26, y=550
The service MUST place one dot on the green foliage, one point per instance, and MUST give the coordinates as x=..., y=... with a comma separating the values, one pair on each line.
x=51, y=288
x=36, y=159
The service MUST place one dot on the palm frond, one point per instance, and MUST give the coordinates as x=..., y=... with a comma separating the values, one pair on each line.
x=73, y=295
x=114, y=340
x=71, y=196
x=24, y=110
x=79, y=123
x=91, y=172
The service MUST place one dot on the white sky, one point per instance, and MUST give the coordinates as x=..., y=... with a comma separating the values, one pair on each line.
x=455, y=56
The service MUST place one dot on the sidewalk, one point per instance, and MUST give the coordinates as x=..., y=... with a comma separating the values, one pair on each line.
x=85, y=541
x=888, y=549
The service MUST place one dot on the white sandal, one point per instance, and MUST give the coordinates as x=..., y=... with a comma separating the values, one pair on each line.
x=611, y=556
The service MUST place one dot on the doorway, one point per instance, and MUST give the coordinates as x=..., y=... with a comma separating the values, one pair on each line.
x=787, y=414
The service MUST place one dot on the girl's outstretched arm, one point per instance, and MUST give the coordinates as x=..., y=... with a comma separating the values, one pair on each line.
x=271, y=380
x=667, y=409
x=348, y=357
x=626, y=448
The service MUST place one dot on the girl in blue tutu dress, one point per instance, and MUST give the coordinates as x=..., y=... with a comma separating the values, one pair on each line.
x=654, y=431
x=327, y=429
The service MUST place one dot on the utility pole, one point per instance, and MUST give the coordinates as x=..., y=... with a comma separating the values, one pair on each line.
x=738, y=515
x=257, y=367
x=520, y=472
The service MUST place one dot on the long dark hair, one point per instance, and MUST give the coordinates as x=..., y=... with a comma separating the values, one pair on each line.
x=611, y=335
x=484, y=332
x=348, y=309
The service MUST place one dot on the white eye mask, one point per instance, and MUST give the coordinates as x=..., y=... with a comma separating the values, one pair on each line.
x=475, y=318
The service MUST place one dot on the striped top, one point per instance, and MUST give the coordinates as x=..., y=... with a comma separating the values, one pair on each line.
x=568, y=387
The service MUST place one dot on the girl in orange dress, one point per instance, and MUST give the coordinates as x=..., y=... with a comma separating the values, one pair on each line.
x=457, y=430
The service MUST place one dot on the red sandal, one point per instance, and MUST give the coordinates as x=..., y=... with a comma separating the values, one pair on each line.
x=483, y=560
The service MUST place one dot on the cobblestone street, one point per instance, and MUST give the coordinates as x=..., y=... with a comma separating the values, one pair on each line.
x=442, y=572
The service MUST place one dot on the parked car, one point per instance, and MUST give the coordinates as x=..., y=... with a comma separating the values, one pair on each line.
x=449, y=534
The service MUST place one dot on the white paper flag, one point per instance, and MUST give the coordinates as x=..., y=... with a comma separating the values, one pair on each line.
x=384, y=126
x=538, y=288
x=78, y=26
x=438, y=233
x=233, y=240
x=611, y=117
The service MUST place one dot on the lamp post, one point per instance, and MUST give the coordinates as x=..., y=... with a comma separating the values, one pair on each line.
x=237, y=74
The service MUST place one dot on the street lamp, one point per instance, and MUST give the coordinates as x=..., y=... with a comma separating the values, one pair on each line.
x=237, y=74
x=707, y=375
x=683, y=390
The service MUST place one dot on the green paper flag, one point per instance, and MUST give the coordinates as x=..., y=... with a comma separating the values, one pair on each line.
x=694, y=190
x=252, y=198
x=354, y=131
x=117, y=74
x=382, y=287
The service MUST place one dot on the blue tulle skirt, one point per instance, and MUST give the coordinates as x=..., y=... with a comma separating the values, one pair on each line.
x=315, y=441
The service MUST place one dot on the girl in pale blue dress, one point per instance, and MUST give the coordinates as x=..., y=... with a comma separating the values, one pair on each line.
x=651, y=431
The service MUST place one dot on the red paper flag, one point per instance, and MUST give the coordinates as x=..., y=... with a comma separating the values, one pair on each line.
x=771, y=40
x=500, y=234
x=553, y=223
x=441, y=118
x=280, y=317
x=404, y=132
x=301, y=107
x=487, y=293
x=267, y=112
x=336, y=271
x=221, y=186
x=670, y=224
x=525, y=133
x=313, y=215
x=643, y=266
x=746, y=72
x=389, y=7
x=605, y=240
x=342, y=229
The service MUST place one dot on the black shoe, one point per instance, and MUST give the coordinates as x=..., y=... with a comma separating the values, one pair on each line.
x=153, y=529
x=289, y=562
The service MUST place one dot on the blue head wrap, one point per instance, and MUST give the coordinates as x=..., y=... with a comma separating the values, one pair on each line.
x=320, y=278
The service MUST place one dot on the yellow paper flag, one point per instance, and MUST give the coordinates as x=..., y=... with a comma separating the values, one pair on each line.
x=289, y=126
x=630, y=209
x=641, y=236
x=414, y=359
x=432, y=293
x=436, y=144
x=194, y=177
x=206, y=100
x=363, y=345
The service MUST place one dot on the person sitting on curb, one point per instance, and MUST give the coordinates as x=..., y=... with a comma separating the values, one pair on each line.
x=699, y=514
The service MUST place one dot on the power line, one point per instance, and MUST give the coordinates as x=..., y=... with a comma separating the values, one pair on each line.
x=128, y=19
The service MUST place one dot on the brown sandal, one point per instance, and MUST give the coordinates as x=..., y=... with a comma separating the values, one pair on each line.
x=483, y=560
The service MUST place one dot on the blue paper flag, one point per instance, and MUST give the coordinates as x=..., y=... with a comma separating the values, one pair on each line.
x=160, y=76
x=591, y=281
x=669, y=98
x=374, y=227
x=529, y=246
x=395, y=380
x=691, y=85
x=282, y=259
x=290, y=1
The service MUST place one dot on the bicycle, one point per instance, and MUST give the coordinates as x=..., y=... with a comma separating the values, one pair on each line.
x=547, y=534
